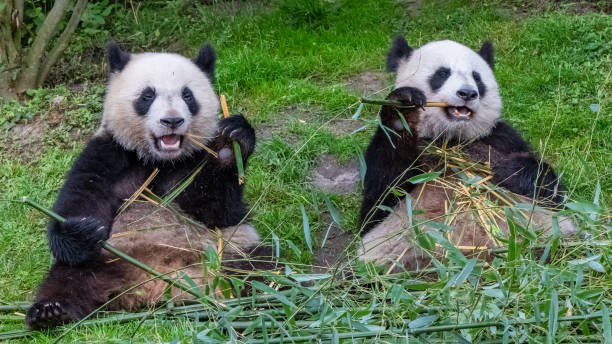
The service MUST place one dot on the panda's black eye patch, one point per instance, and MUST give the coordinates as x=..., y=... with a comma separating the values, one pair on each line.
x=482, y=89
x=190, y=100
x=144, y=101
x=438, y=78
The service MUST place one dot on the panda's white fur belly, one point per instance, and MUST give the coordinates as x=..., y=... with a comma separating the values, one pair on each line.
x=395, y=240
x=168, y=244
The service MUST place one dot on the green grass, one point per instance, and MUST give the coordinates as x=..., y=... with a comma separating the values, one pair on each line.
x=283, y=62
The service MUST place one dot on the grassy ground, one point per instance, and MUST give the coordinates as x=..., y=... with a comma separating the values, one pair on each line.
x=293, y=69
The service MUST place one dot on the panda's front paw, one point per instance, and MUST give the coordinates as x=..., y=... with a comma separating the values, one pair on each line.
x=235, y=129
x=408, y=96
x=78, y=240
x=50, y=314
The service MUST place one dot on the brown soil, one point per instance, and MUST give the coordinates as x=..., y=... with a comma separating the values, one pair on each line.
x=528, y=8
x=333, y=177
x=369, y=82
x=333, y=251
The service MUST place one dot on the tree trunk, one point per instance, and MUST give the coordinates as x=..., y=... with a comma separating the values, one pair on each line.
x=11, y=16
x=19, y=73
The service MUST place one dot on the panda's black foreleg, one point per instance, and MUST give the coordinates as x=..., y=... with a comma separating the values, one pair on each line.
x=87, y=202
x=391, y=156
x=525, y=174
x=215, y=196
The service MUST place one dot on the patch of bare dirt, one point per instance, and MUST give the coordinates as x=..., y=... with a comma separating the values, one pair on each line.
x=412, y=6
x=277, y=127
x=369, y=82
x=523, y=9
x=333, y=177
x=334, y=250
x=344, y=126
x=26, y=139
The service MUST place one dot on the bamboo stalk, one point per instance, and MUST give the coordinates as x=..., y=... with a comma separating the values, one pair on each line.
x=237, y=152
x=210, y=151
x=398, y=104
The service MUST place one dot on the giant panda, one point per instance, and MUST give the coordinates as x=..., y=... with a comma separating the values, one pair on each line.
x=446, y=71
x=153, y=102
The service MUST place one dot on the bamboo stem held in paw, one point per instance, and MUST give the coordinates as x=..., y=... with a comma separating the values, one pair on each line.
x=237, y=152
x=398, y=104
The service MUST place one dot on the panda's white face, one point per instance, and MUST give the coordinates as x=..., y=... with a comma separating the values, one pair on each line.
x=154, y=101
x=449, y=72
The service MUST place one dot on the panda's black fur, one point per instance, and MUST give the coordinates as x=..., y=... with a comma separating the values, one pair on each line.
x=113, y=166
x=393, y=159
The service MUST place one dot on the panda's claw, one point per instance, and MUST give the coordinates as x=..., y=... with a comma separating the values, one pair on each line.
x=49, y=314
x=409, y=96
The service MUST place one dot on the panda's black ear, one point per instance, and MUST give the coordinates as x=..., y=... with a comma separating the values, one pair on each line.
x=399, y=50
x=206, y=61
x=117, y=58
x=486, y=52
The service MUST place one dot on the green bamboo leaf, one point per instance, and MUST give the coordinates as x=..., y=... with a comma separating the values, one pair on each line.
x=596, y=266
x=182, y=186
x=424, y=177
x=584, y=207
x=326, y=234
x=465, y=272
x=239, y=162
x=409, y=208
x=294, y=248
x=605, y=321
x=332, y=210
x=194, y=287
x=363, y=168
x=553, y=314
x=280, y=297
x=306, y=226
x=384, y=129
x=358, y=112
x=423, y=321
x=276, y=246
x=403, y=119
x=264, y=330
x=454, y=253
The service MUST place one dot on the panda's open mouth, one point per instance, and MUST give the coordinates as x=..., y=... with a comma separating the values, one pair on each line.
x=459, y=112
x=170, y=142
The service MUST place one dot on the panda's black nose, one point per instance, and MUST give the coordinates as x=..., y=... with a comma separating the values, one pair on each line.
x=172, y=122
x=467, y=94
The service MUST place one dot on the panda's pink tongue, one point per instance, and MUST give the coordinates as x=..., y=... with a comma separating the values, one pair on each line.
x=170, y=141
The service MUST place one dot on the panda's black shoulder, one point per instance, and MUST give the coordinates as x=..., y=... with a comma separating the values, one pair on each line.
x=505, y=139
x=103, y=154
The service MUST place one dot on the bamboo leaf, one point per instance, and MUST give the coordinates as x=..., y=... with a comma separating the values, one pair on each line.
x=306, y=226
x=465, y=272
x=358, y=112
x=326, y=234
x=422, y=321
x=409, y=208
x=332, y=210
x=182, y=186
x=384, y=129
x=424, y=177
x=605, y=321
x=553, y=314
x=280, y=297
